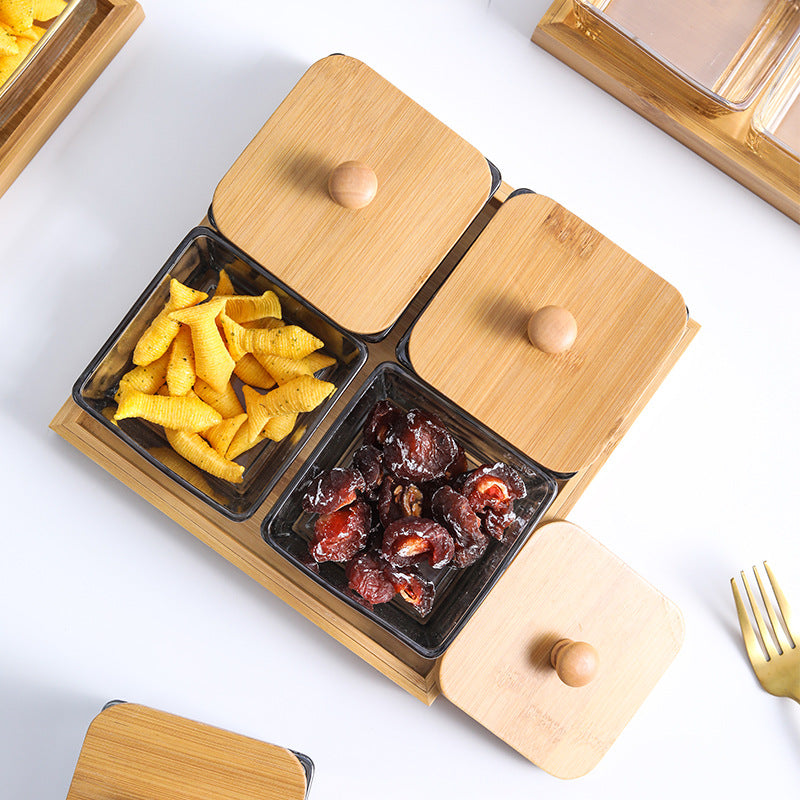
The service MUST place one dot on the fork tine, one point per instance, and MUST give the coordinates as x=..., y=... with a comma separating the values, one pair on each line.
x=754, y=652
x=762, y=630
x=783, y=605
x=778, y=635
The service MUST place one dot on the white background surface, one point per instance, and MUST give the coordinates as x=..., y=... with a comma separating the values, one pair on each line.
x=101, y=596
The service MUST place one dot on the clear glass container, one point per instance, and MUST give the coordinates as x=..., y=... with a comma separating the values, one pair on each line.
x=197, y=262
x=459, y=592
x=60, y=33
x=777, y=116
x=725, y=50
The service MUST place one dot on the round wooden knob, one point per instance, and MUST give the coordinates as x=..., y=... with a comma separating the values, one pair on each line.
x=575, y=662
x=552, y=329
x=352, y=184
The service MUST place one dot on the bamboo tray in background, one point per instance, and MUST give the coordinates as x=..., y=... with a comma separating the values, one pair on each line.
x=75, y=71
x=242, y=544
x=728, y=135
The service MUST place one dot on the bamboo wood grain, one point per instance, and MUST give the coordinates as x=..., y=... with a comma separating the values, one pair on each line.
x=498, y=669
x=138, y=753
x=241, y=543
x=274, y=201
x=730, y=140
x=471, y=342
x=24, y=133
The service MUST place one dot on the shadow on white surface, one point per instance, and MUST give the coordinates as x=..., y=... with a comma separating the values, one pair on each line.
x=522, y=15
x=41, y=737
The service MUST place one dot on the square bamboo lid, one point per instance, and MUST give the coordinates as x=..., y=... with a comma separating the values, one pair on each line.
x=136, y=753
x=563, y=585
x=564, y=408
x=361, y=266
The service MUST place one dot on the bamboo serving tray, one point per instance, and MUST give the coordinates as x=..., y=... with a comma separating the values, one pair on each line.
x=112, y=24
x=242, y=544
x=571, y=255
x=730, y=136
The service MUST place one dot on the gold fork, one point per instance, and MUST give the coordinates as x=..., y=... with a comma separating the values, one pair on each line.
x=779, y=670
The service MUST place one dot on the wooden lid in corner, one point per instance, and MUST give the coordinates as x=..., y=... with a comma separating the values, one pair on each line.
x=142, y=754
x=472, y=342
x=360, y=264
x=562, y=585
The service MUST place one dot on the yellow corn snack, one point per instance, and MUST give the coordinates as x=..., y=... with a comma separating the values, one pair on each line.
x=213, y=362
x=250, y=372
x=148, y=379
x=221, y=436
x=233, y=337
x=9, y=63
x=34, y=33
x=158, y=337
x=242, y=442
x=317, y=361
x=17, y=14
x=283, y=369
x=180, y=369
x=45, y=10
x=291, y=341
x=268, y=323
x=225, y=402
x=279, y=427
x=257, y=415
x=299, y=394
x=246, y=308
x=178, y=413
x=224, y=285
x=198, y=452
x=8, y=42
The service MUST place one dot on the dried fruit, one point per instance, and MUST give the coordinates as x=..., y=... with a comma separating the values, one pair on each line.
x=494, y=486
x=338, y=536
x=383, y=415
x=454, y=512
x=412, y=588
x=368, y=460
x=332, y=490
x=412, y=539
x=418, y=447
x=365, y=575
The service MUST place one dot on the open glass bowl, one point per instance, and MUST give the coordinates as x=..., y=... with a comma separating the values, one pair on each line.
x=197, y=263
x=459, y=592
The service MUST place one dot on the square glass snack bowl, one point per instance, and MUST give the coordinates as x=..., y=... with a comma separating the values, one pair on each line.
x=288, y=529
x=197, y=263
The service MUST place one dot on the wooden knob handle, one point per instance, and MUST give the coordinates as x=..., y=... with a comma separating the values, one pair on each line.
x=552, y=329
x=352, y=184
x=575, y=662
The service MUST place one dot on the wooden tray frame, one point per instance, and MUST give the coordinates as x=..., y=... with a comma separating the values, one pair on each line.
x=241, y=543
x=727, y=139
x=112, y=24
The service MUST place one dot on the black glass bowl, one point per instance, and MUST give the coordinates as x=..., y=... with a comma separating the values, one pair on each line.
x=289, y=529
x=197, y=263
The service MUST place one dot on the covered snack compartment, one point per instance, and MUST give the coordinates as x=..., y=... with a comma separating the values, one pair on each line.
x=352, y=190
x=603, y=326
x=139, y=753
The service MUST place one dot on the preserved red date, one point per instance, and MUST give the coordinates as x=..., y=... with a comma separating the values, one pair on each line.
x=412, y=539
x=338, y=536
x=368, y=460
x=494, y=486
x=383, y=415
x=496, y=522
x=419, y=448
x=455, y=514
x=333, y=490
x=412, y=588
x=365, y=575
